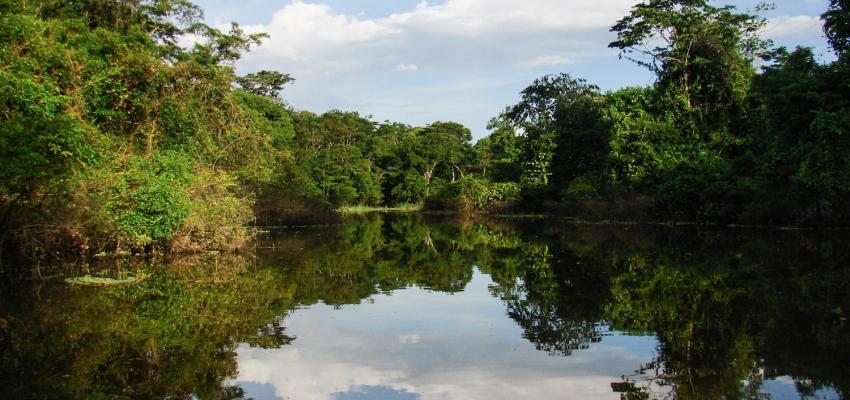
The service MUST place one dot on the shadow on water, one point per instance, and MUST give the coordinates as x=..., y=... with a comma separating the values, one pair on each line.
x=730, y=310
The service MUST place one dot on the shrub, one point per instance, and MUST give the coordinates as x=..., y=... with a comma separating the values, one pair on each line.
x=473, y=192
x=218, y=218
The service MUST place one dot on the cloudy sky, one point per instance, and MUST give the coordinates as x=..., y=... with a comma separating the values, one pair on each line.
x=419, y=61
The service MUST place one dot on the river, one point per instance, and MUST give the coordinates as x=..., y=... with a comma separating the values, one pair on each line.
x=406, y=306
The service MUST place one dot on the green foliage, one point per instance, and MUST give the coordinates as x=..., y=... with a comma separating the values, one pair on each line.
x=702, y=190
x=499, y=154
x=537, y=115
x=350, y=159
x=173, y=335
x=264, y=83
x=141, y=201
x=220, y=47
x=837, y=25
x=484, y=194
x=711, y=141
x=275, y=121
x=799, y=116
x=218, y=217
x=344, y=176
x=638, y=137
x=113, y=135
x=583, y=135
x=703, y=54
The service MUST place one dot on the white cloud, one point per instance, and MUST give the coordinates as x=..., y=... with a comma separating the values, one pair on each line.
x=306, y=31
x=407, y=67
x=303, y=31
x=340, y=60
x=478, y=17
x=548, y=60
x=804, y=26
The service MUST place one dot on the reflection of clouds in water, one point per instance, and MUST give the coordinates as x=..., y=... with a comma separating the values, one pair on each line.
x=296, y=376
x=785, y=388
x=464, y=347
x=375, y=393
x=411, y=338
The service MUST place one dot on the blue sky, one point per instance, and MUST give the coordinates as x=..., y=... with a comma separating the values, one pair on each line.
x=461, y=60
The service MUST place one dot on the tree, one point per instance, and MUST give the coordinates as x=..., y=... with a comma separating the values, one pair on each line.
x=457, y=144
x=264, y=83
x=500, y=153
x=222, y=48
x=643, y=140
x=801, y=145
x=557, y=114
x=702, y=54
x=437, y=143
x=836, y=25
x=167, y=20
x=583, y=136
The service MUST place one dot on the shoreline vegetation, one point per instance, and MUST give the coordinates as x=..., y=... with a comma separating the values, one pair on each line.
x=361, y=209
x=93, y=280
x=115, y=137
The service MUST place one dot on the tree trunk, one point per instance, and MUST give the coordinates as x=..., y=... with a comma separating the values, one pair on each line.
x=428, y=175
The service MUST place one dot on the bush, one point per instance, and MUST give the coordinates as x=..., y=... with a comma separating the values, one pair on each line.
x=472, y=192
x=218, y=218
x=582, y=187
x=701, y=191
x=137, y=202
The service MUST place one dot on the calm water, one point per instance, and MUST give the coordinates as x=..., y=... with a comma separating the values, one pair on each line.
x=408, y=307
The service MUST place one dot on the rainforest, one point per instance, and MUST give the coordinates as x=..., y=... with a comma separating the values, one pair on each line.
x=115, y=136
x=166, y=221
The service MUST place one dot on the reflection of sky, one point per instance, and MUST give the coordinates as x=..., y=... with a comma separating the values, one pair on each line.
x=783, y=388
x=419, y=344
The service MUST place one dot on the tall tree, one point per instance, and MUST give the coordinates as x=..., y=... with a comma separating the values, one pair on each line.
x=264, y=83
x=553, y=114
x=702, y=53
x=442, y=143
x=500, y=153
x=836, y=25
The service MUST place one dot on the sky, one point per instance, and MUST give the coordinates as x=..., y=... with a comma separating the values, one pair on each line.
x=417, y=61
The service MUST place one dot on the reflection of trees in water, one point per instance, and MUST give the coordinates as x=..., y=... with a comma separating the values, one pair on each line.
x=726, y=309
x=552, y=298
x=373, y=254
x=721, y=305
x=735, y=310
x=173, y=336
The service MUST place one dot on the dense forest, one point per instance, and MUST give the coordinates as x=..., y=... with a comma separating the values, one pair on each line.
x=115, y=135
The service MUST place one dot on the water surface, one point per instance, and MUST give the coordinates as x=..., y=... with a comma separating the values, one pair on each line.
x=413, y=307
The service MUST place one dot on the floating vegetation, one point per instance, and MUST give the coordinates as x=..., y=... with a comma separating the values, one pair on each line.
x=92, y=280
x=359, y=209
